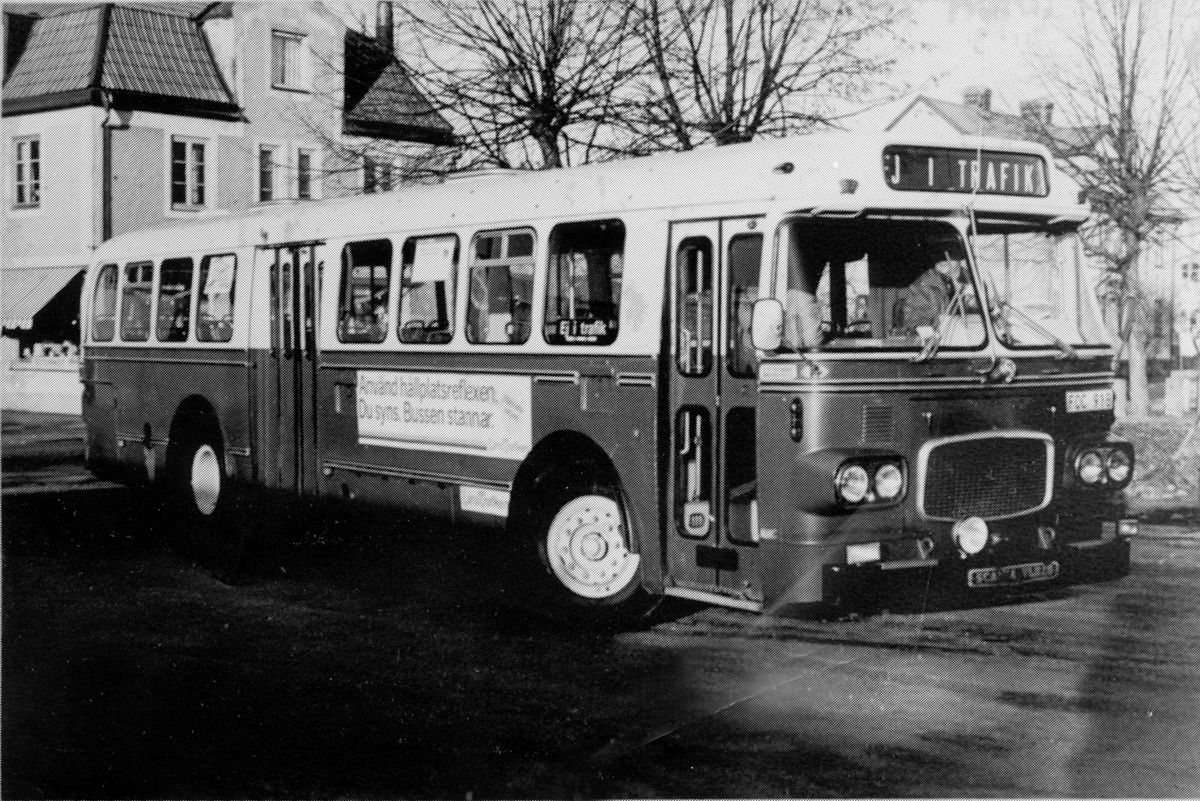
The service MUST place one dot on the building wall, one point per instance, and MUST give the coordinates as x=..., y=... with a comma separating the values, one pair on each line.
x=284, y=118
x=141, y=165
x=63, y=228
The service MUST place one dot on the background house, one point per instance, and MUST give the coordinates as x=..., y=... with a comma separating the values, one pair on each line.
x=127, y=115
x=1166, y=269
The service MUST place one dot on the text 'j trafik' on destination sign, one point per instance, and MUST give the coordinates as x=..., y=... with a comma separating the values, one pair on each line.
x=988, y=172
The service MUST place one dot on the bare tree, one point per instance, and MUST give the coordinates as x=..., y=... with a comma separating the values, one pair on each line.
x=1122, y=91
x=529, y=83
x=723, y=71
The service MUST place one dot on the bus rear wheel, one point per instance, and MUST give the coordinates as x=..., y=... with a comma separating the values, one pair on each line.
x=202, y=520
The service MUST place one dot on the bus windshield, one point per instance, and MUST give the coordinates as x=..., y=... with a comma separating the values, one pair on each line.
x=863, y=283
x=1037, y=293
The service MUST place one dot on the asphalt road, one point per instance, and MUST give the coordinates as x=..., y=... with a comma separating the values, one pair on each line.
x=388, y=660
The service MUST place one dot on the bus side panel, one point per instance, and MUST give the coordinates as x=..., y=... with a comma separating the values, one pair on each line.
x=610, y=401
x=148, y=393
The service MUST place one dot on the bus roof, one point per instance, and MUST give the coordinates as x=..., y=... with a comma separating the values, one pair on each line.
x=836, y=173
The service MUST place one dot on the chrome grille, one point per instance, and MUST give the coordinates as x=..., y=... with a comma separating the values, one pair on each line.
x=992, y=476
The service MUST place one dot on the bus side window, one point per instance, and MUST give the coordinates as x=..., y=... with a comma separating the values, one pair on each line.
x=427, y=289
x=745, y=257
x=135, y=301
x=214, y=312
x=174, y=300
x=694, y=265
x=583, y=293
x=366, y=285
x=104, y=305
x=501, y=287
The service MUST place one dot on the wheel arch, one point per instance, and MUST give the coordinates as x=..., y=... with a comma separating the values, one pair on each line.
x=565, y=450
x=194, y=416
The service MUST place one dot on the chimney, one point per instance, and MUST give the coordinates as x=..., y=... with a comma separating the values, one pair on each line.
x=1040, y=110
x=384, y=33
x=978, y=96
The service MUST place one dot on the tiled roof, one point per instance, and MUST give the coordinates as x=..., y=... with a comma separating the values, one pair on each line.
x=160, y=54
x=59, y=56
x=179, y=8
x=381, y=99
x=144, y=58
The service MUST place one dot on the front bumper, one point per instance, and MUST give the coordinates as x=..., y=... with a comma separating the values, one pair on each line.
x=995, y=572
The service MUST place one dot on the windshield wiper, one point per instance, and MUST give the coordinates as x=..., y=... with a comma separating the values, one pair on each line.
x=1067, y=351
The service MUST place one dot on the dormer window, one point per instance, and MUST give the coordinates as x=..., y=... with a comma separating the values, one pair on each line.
x=290, y=68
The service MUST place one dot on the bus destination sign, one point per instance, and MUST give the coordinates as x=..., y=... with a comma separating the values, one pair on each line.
x=988, y=172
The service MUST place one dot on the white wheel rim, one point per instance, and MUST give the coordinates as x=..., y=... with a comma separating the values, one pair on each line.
x=586, y=548
x=206, y=479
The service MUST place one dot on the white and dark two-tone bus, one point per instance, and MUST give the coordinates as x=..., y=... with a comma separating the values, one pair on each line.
x=781, y=373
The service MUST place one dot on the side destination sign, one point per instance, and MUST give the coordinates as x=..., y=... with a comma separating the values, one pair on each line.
x=485, y=415
x=941, y=169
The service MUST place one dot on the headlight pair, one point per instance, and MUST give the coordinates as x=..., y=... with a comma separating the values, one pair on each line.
x=1108, y=465
x=863, y=482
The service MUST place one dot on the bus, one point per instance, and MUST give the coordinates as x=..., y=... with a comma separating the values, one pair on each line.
x=783, y=374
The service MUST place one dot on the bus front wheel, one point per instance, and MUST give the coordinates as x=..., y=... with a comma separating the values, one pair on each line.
x=203, y=496
x=586, y=548
x=590, y=572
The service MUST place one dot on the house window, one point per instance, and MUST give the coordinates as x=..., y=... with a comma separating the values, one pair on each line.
x=27, y=171
x=304, y=173
x=268, y=169
x=289, y=61
x=188, y=190
x=377, y=175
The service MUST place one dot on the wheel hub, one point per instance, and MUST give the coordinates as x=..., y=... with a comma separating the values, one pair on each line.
x=587, y=549
x=206, y=479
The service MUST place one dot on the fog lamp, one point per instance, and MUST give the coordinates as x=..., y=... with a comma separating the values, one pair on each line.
x=1118, y=466
x=1089, y=467
x=1128, y=528
x=852, y=483
x=888, y=481
x=971, y=535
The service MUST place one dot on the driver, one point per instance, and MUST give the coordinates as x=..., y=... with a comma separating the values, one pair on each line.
x=931, y=294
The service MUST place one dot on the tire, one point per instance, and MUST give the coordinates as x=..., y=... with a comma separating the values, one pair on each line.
x=589, y=572
x=202, y=501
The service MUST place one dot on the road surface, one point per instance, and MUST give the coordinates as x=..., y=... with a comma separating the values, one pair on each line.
x=388, y=660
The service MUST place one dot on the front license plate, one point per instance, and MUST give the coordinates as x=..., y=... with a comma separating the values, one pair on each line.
x=1011, y=575
x=1090, y=400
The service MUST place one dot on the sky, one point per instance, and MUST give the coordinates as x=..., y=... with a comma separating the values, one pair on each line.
x=979, y=43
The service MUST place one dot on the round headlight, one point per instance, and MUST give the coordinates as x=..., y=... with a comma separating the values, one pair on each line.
x=852, y=483
x=1089, y=467
x=1118, y=466
x=971, y=535
x=888, y=481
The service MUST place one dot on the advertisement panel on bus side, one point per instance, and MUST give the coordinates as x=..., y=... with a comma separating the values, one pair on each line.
x=484, y=415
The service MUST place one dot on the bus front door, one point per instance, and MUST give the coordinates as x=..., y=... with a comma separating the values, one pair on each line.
x=713, y=396
x=290, y=380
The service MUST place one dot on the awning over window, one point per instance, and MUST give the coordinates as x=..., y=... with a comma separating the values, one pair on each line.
x=25, y=291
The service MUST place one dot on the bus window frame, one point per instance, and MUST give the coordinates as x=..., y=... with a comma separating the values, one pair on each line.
x=391, y=306
x=199, y=292
x=116, y=303
x=505, y=260
x=551, y=277
x=189, y=325
x=451, y=295
x=150, y=305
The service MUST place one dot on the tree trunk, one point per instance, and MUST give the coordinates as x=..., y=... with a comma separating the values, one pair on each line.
x=1139, y=393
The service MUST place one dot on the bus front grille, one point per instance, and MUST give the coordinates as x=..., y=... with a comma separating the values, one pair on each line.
x=991, y=475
